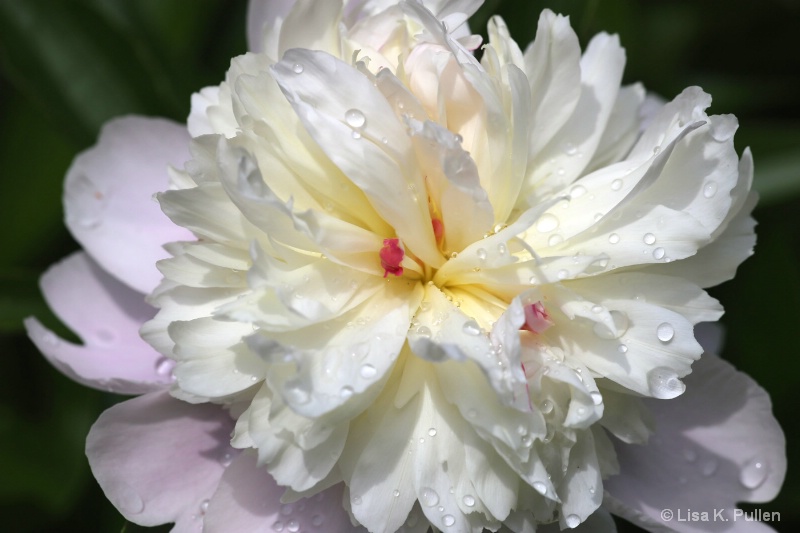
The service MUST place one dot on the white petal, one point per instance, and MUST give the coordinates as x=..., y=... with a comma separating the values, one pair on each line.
x=380, y=170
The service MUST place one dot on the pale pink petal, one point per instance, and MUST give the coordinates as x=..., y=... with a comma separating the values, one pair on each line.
x=714, y=446
x=106, y=315
x=248, y=500
x=159, y=460
x=262, y=14
x=108, y=197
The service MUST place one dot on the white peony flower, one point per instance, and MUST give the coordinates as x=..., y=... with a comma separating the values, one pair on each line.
x=450, y=284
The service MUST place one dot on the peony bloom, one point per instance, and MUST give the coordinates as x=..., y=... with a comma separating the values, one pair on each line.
x=406, y=288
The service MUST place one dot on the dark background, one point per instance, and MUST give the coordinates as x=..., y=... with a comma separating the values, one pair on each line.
x=67, y=66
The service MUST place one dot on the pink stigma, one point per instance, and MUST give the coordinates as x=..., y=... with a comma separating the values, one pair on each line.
x=438, y=230
x=536, y=318
x=391, y=257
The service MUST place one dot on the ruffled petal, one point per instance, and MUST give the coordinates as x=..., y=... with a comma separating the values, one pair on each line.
x=714, y=446
x=159, y=460
x=106, y=315
x=108, y=197
x=262, y=17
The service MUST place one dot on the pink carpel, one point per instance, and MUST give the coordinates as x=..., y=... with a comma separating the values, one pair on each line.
x=438, y=230
x=391, y=256
x=537, y=320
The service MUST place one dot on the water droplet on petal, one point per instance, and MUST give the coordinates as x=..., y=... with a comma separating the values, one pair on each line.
x=710, y=189
x=367, y=371
x=547, y=223
x=597, y=398
x=709, y=468
x=317, y=520
x=570, y=149
x=432, y=432
x=298, y=68
x=540, y=487
x=469, y=501
x=128, y=499
x=298, y=395
x=616, y=185
x=471, y=327
x=664, y=383
x=577, y=191
x=572, y=521
x=396, y=493
x=164, y=366
x=277, y=526
x=356, y=500
x=665, y=332
x=429, y=497
x=293, y=526
x=346, y=392
x=649, y=238
x=563, y=274
x=622, y=348
x=502, y=249
x=355, y=118
x=424, y=331
x=597, y=309
x=753, y=474
x=658, y=253
x=613, y=238
x=555, y=240
x=620, y=321
x=448, y=520
x=481, y=254
x=547, y=407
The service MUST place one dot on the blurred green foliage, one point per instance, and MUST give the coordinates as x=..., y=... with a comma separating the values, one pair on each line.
x=67, y=66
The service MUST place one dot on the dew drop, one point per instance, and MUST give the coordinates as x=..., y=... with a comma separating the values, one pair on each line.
x=298, y=68
x=424, y=332
x=540, y=487
x=649, y=238
x=356, y=500
x=293, y=526
x=469, y=501
x=204, y=506
x=448, y=520
x=277, y=526
x=502, y=249
x=563, y=274
x=547, y=407
x=297, y=395
x=709, y=468
x=572, y=521
x=753, y=474
x=555, y=240
x=482, y=254
x=570, y=149
x=356, y=135
x=710, y=189
x=597, y=309
x=616, y=185
x=613, y=238
x=547, y=223
x=286, y=509
x=396, y=493
x=471, y=327
x=665, y=332
x=164, y=366
x=664, y=383
x=577, y=191
x=656, y=149
x=620, y=321
x=367, y=371
x=346, y=392
x=597, y=398
x=561, y=172
x=622, y=348
x=128, y=499
x=658, y=253
x=317, y=520
x=432, y=432
x=226, y=459
x=355, y=118
x=429, y=497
